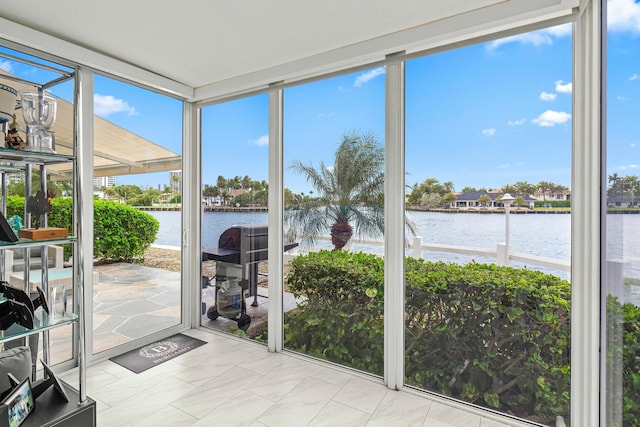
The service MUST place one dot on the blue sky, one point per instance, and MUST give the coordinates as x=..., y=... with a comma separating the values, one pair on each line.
x=485, y=115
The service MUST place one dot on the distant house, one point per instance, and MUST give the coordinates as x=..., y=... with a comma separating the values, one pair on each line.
x=620, y=201
x=553, y=195
x=470, y=200
x=237, y=192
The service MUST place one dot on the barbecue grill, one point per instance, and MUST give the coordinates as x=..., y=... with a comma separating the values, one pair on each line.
x=244, y=246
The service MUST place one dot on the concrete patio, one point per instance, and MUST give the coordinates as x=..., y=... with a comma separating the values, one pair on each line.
x=132, y=300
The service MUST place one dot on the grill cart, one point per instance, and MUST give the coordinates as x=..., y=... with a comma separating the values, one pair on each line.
x=240, y=249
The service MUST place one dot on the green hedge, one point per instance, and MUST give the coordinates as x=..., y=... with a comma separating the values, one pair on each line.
x=552, y=203
x=623, y=325
x=121, y=233
x=494, y=336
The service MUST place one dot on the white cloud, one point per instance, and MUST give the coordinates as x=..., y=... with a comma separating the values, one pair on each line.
x=6, y=66
x=623, y=16
x=504, y=166
x=105, y=105
x=489, y=132
x=326, y=114
x=369, y=75
x=635, y=76
x=262, y=140
x=551, y=118
x=632, y=145
x=563, y=87
x=621, y=98
x=629, y=167
x=518, y=122
x=538, y=38
x=546, y=96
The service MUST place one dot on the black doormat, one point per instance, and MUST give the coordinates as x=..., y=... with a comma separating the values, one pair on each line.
x=151, y=355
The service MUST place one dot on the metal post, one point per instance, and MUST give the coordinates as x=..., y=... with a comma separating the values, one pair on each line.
x=394, y=225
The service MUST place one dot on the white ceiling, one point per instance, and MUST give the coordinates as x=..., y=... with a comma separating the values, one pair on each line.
x=210, y=43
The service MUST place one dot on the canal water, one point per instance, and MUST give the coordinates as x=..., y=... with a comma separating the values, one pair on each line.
x=547, y=236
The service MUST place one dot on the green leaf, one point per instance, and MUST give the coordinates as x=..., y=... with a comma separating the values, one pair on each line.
x=492, y=399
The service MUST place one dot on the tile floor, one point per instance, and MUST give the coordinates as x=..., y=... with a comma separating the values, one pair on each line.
x=230, y=382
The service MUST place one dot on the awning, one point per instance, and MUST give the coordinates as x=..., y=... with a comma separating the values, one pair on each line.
x=116, y=150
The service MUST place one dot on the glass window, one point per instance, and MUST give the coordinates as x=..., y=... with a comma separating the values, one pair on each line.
x=621, y=280
x=137, y=213
x=334, y=198
x=488, y=162
x=235, y=168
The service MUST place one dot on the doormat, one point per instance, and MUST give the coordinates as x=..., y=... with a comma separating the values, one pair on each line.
x=151, y=355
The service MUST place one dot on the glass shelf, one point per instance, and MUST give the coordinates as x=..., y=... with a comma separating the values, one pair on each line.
x=34, y=157
x=10, y=168
x=41, y=322
x=26, y=243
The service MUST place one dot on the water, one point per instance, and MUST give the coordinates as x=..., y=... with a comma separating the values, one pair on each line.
x=541, y=235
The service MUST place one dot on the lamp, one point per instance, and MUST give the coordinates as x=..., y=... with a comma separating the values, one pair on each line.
x=507, y=199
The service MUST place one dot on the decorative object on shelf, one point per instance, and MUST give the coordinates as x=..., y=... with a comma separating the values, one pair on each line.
x=15, y=294
x=21, y=296
x=15, y=222
x=39, y=112
x=6, y=231
x=13, y=139
x=37, y=206
x=8, y=97
x=53, y=380
x=15, y=312
x=43, y=233
x=19, y=403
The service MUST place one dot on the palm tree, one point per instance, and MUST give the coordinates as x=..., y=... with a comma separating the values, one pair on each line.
x=484, y=200
x=519, y=201
x=350, y=193
x=448, y=199
x=545, y=187
x=614, y=179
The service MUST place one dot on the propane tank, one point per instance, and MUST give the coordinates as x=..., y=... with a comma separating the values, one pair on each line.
x=229, y=299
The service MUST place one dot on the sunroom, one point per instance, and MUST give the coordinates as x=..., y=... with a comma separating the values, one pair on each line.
x=271, y=92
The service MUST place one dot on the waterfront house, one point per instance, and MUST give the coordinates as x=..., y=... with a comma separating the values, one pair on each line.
x=620, y=201
x=551, y=195
x=473, y=199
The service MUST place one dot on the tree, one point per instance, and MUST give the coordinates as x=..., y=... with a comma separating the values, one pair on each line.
x=545, y=187
x=350, y=193
x=519, y=201
x=210, y=191
x=222, y=183
x=614, y=180
x=484, y=200
x=509, y=188
x=469, y=189
x=448, y=187
x=631, y=186
x=447, y=199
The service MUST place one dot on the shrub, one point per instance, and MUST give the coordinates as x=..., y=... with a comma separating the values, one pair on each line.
x=623, y=364
x=552, y=203
x=631, y=365
x=342, y=318
x=121, y=233
x=494, y=336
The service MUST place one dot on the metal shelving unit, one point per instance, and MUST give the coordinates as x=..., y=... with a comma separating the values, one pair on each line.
x=23, y=161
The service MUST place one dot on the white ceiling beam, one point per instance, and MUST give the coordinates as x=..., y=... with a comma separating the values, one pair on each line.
x=478, y=23
x=39, y=41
